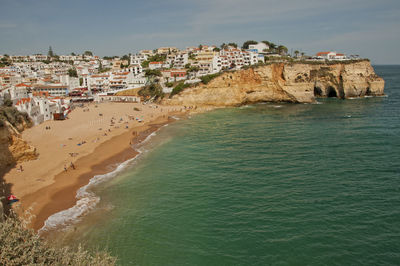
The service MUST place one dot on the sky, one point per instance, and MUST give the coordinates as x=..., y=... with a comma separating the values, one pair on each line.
x=369, y=28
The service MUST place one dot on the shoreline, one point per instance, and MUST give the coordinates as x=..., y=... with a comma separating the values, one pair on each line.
x=88, y=142
x=63, y=196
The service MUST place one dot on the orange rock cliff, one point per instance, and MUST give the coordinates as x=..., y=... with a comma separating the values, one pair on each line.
x=284, y=82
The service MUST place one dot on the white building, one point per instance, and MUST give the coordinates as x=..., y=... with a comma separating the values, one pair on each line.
x=98, y=82
x=259, y=47
x=29, y=106
x=71, y=82
x=138, y=59
x=19, y=91
x=331, y=56
x=180, y=60
x=156, y=65
x=136, y=69
x=41, y=109
x=51, y=90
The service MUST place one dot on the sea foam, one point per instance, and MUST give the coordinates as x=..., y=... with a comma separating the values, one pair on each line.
x=86, y=199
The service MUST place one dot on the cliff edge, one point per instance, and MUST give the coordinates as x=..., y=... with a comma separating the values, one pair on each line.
x=284, y=82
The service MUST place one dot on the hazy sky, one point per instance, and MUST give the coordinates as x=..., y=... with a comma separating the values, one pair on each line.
x=370, y=28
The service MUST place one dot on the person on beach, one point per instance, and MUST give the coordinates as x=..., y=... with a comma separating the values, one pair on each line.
x=65, y=167
x=72, y=166
x=20, y=168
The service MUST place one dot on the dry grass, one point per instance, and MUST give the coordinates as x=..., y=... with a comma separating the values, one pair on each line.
x=131, y=92
x=21, y=246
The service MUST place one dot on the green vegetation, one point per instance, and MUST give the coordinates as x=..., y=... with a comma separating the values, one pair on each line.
x=207, y=78
x=50, y=53
x=72, y=72
x=169, y=84
x=282, y=50
x=109, y=57
x=247, y=43
x=21, y=246
x=88, y=53
x=178, y=88
x=233, y=44
x=5, y=61
x=102, y=70
x=330, y=62
x=193, y=69
x=145, y=64
x=127, y=58
x=152, y=91
x=154, y=58
x=157, y=58
x=152, y=73
x=192, y=56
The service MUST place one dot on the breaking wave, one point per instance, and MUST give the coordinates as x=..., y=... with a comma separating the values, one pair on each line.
x=86, y=198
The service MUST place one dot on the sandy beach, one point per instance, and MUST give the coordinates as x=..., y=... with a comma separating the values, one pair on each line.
x=92, y=141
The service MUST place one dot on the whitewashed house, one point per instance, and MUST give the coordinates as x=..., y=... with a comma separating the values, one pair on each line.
x=258, y=48
x=71, y=82
x=331, y=56
x=29, y=106
x=19, y=91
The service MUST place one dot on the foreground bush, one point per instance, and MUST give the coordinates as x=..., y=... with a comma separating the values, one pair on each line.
x=20, y=246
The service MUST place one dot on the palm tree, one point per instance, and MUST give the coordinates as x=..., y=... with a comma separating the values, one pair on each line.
x=296, y=53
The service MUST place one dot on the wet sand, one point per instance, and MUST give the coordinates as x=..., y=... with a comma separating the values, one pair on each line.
x=88, y=140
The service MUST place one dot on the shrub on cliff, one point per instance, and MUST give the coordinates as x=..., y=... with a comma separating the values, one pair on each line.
x=178, y=88
x=20, y=246
x=207, y=78
x=152, y=91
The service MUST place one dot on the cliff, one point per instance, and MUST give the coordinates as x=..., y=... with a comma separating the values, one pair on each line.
x=284, y=82
x=15, y=149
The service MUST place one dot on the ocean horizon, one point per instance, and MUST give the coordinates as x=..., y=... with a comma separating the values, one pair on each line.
x=272, y=183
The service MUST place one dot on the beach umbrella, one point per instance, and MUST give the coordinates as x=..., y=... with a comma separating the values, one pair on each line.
x=11, y=197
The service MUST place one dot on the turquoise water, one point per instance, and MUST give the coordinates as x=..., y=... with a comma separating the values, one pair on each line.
x=268, y=184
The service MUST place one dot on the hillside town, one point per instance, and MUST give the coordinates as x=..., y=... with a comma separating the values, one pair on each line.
x=46, y=86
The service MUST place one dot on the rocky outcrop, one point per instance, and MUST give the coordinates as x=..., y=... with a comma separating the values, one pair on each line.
x=284, y=82
x=14, y=148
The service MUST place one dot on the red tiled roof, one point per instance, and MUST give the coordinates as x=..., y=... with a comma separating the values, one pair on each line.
x=22, y=85
x=23, y=101
x=322, y=53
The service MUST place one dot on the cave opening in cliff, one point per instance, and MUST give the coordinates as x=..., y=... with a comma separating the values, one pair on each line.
x=368, y=91
x=317, y=92
x=331, y=92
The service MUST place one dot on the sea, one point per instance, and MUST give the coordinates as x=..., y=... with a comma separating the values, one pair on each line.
x=262, y=184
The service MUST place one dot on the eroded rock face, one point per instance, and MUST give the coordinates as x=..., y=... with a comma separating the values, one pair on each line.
x=13, y=148
x=298, y=83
